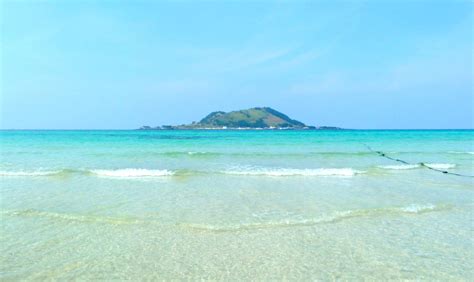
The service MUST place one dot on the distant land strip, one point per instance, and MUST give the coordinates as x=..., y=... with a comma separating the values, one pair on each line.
x=260, y=118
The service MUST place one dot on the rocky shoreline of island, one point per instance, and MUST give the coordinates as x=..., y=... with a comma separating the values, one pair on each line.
x=170, y=127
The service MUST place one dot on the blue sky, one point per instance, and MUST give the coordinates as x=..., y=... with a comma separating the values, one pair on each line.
x=123, y=64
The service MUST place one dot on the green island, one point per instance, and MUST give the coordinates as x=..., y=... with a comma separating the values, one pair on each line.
x=259, y=118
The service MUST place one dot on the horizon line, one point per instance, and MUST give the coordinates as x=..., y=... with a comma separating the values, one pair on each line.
x=230, y=129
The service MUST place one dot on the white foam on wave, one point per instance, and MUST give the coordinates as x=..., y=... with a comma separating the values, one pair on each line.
x=400, y=167
x=418, y=208
x=347, y=172
x=413, y=166
x=132, y=172
x=197, y=153
x=29, y=173
x=440, y=166
x=457, y=152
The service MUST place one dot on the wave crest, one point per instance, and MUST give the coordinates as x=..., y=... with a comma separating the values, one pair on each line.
x=325, y=219
x=440, y=166
x=71, y=217
x=459, y=152
x=347, y=172
x=413, y=166
x=399, y=167
x=418, y=208
x=132, y=172
x=410, y=210
x=30, y=173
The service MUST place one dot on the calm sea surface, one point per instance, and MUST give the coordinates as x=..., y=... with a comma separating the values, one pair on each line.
x=236, y=205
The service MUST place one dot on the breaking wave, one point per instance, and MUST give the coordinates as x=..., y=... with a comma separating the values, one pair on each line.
x=143, y=173
x=399, y=167
x=113, y=173
x=441, y=166
x=30, y=173
x=413, y=166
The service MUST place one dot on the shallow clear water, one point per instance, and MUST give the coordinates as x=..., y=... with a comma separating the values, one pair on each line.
x=236, y=204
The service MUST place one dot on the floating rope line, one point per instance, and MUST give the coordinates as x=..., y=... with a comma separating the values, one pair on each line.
x=383, y=155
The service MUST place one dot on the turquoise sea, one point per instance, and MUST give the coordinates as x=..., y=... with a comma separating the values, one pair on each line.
x=239, y=205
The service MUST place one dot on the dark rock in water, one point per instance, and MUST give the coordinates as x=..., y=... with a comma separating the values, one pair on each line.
x=146, y=127
x=329, y=128
x=168, y=127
